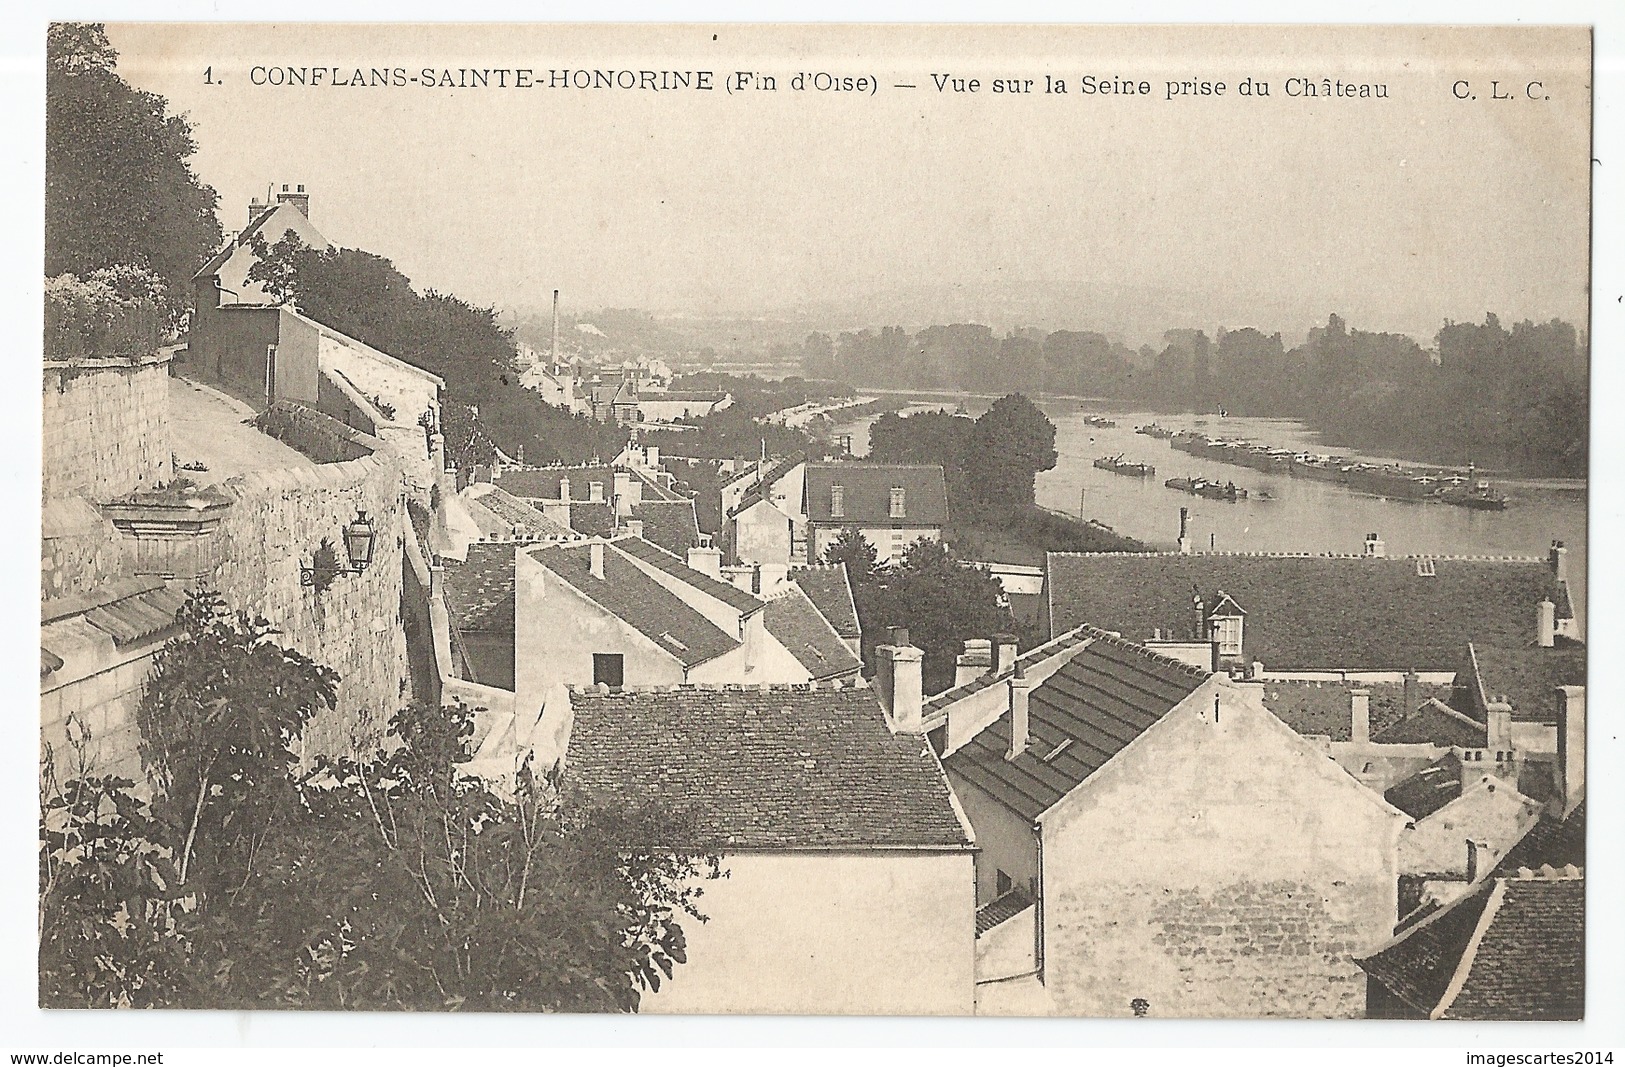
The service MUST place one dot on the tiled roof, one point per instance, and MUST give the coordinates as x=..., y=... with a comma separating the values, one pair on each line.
x=796, y=624
x=826, y=585
x=1434, y=723
x=126, y=609
x=1102, y=699
x=1323, y=709
x=1054, y=647
x=638, y=600
x=1429, y=789
x=1312, y=612
x=479, y=592
x=592, y=520
x=1550, y=842
x=653, y=554
x=781, y=767
x=997, y=911
x=542, y=483
x=1529, y=676
x=1513, y=949
x=758, y=492
x=219, y=259
x=670, y=524
x=502, y=516
x=866, y=493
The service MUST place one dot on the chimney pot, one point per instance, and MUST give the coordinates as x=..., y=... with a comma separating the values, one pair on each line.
x=901, y=683
x=1006, y=646
x=1559, y=560
x=595, y=492
x=1546, y=623
x=1020, y=713
x=596, y=559
x=564, y=488
x=1360, y=716
x=1571, y=746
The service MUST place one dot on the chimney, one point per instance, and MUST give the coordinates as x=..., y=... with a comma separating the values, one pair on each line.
x=1199, y=609
x=1184, y=531
x=706, y=560
x=596, y=559
x=1546, y=623
x=564, y=488
x=1020, y=718
x=1375, y=547
x=595, y=492
x=633, y=527
x=255, y=207
x=1412, y=691
x=771, y=577
x=555, y=327
x=901, y=685
x=651, y=455
x=298, y=199
x=1498, y=723
x=1005, y=647
x=1571, y=746
x=437, y=581
x=975, y=661
x=1480, y=860
x=1559, y=560
x=1360, y=716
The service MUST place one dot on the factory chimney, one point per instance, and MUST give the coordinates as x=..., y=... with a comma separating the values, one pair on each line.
x=555, y=330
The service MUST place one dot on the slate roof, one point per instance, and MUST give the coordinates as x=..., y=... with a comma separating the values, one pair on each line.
x=593, y=520
x=1056, y=646
x=826, y=585
x=997, y=911
x=1529, y=676
x=866, y=494
x=768, y=768
x=1323, y=709
x=670, y=524
x=1102, y=699
x=638, y=600
x=758, y=492
x=479, y=591
x=795, y=623
x=1312, y=612
x=656, y=556
x=1434, y=723
x=219, y=259
x=1513, y=949
x=1429, y=789
x=542, y=483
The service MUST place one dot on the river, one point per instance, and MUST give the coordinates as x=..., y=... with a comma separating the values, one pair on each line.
x=1296, y=515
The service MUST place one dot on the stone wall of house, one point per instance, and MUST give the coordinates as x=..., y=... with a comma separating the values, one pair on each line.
x=355, y=626
x=1218, y=867
x=78, y=547
x=106, y=427
x=88, y=706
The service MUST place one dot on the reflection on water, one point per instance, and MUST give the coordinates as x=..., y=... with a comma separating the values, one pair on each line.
x=1281, y=513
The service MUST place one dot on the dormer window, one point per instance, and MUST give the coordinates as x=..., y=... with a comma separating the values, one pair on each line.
x=897, y=507
x=837, y=501
x=1227, y=632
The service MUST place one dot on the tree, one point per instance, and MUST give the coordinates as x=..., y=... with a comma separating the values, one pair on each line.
x=942, y=601
x=1012, y=442
x=119, y=189
x=853, y=549
x=392, y=882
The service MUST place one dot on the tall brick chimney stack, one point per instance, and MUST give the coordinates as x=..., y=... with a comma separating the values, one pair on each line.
x=297, y=198
x=1020, y=713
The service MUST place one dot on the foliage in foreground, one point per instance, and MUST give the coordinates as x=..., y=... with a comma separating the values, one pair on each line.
x=393, y=882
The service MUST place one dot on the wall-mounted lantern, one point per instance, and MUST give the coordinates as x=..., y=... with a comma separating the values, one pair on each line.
x=359, y=539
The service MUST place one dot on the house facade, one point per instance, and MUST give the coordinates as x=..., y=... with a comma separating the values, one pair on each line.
x=848, y=883
x=1184, y=852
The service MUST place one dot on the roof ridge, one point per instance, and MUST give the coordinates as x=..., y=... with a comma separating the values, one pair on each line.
x=1111, y=638
x=1547, y=873
x=828, y=685
x=1436, y=556
x=1469, y=954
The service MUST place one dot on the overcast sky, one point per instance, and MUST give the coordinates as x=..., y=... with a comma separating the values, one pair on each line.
x=1396, y=212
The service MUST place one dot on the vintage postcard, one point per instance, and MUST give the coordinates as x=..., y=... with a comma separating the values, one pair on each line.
x=816, y=520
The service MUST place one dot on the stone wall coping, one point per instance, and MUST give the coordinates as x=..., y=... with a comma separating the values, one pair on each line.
x=119, y=363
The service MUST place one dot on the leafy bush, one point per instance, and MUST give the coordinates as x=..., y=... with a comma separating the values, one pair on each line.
x=116, y=312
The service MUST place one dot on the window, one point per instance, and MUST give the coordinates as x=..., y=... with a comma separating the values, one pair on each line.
x=837, y=501
x=1227, y=632
x=608, y=668
x=1425, y=569
x=1002, y=884
x=897, y=509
